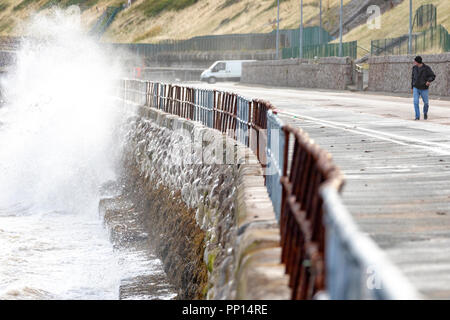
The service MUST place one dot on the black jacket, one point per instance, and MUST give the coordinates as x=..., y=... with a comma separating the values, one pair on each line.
x=422, y=75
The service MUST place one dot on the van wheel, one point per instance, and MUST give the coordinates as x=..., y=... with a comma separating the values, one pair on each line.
x=211, y=80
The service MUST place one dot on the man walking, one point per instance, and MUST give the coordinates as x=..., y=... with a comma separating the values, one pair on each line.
x=422, y=76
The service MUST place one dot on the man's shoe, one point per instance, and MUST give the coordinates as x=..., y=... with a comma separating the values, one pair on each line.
x=425, y=116
x=417, y=119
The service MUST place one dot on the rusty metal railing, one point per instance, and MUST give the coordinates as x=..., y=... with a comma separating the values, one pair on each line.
x=242, y=119
x=301, y=222
x=324, y=253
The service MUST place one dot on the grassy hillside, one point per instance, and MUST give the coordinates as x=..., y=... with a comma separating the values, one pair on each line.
x=395, y=23
x=13, y=13
x=154, y=20
x=144, y=22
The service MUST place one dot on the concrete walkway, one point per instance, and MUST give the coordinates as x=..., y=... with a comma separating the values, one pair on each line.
x=397, y=171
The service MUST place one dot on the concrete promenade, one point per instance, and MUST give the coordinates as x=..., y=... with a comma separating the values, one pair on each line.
x=397, y=170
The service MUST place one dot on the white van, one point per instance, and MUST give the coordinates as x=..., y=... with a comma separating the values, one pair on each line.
x=230, y=70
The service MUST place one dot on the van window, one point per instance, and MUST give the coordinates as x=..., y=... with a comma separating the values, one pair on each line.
x=220, y=66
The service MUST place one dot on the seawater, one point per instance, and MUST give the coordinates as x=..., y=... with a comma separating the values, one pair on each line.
x=59, y=143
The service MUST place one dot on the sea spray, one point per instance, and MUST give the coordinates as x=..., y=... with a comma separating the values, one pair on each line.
x=58, y=144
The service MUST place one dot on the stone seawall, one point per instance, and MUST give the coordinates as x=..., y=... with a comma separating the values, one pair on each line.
x=204, y=59
x=206, y=209
x=188, y=66
x=172, y=74
x=393, y=73
x=325, y=73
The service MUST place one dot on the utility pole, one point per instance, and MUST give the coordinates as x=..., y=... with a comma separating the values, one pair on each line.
x=320, y=21
x=410, y=27
x=301, y=31
x=278, y=29
x=340, y=27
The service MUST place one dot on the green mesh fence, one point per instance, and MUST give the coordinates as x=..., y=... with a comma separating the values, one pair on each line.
x=428, y=36
x=104, y=21
x=434, y=39
x=311, y=36
x=425, y=17
x=232, y=42
x=349, y=49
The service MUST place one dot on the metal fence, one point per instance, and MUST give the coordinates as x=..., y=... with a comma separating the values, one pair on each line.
x=104, y=21
x=324, y=252
x=275, y=160
x=426, y=16
x=242, y=119
x=355, y=266
x=232, y=42
x=432, y=39
x=323, y=50
x=302, y=227
x=311, y=36
x=229, y=42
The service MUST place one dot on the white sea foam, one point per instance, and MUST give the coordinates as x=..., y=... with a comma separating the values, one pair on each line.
x=57, y=146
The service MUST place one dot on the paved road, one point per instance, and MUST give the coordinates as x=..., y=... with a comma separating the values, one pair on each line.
x=397, y=170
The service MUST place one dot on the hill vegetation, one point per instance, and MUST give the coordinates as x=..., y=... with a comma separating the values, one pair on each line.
x=395, y=23
x=155, y=20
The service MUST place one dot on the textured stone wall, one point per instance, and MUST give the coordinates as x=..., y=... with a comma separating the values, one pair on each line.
x=171, y=74
x=325, y=73
x=393, y=73
x=224, y=188
x=188, y=66
x=205, y=59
